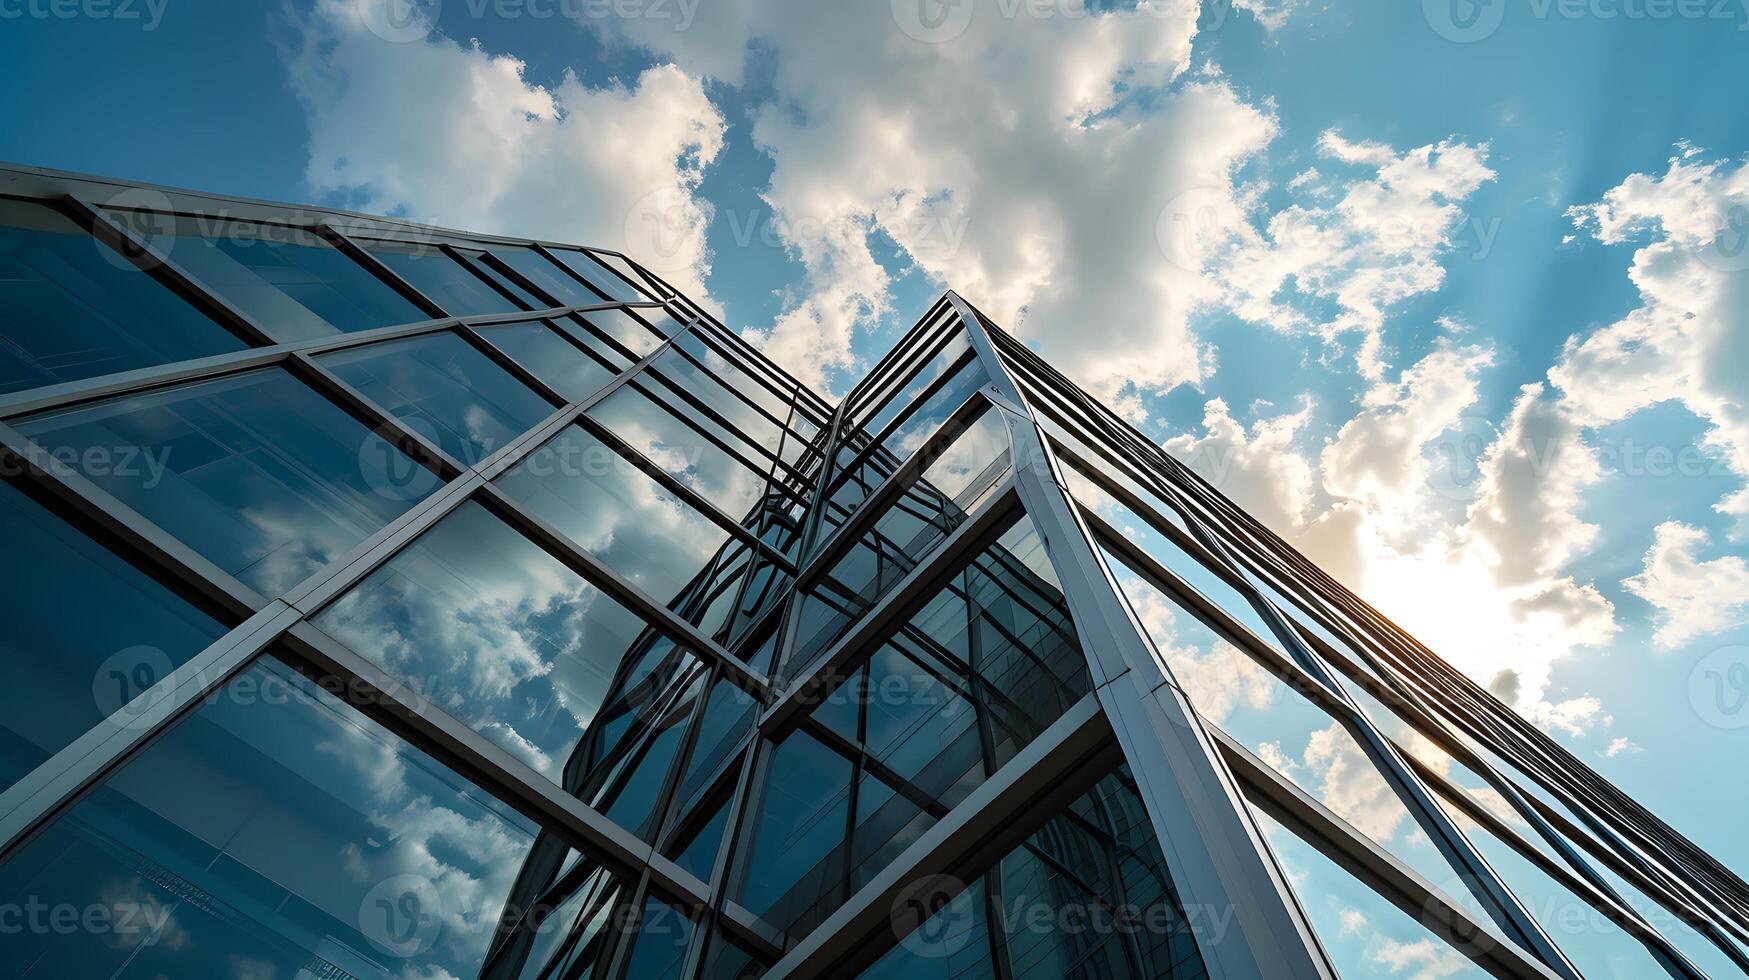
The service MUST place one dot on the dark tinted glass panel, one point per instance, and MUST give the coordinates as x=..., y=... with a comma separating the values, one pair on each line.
x=659, y=948
x=499, y=632
x=800, y=827
x=551, y=358
x=447, y=391
x=698, y=853
x=617, y=512
x=578, y=931
x=953, y=943
x=476, y=260
x=275, y=832
x=727, y=718
x=601, y=278
x=289, y=281
x=445, y=281
x=547, y=277
x=727, y=961
x=677, y=447
x=87, y=633
x=255, y=471
x=71, y=308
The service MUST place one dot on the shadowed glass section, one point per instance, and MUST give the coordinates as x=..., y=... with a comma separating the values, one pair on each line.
x=275, y=831
x=573, y=373
x=113, y=633
x=75, y=309
x=441, y=279
x=956, y=483
x=446, y=390
x=974, y=675
x=255, y=471
x=659, y=949
x=498, y=632
x=1087, y=897
x=1368, y=937
x=289, y=281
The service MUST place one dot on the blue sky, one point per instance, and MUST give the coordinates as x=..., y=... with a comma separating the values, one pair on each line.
x=1319, y=248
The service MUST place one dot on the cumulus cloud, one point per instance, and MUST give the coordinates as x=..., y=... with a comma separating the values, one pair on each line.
x=1693, y=597
x=453, y=134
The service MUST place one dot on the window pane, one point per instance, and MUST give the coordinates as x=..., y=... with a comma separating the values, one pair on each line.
x=483, y=622
x=1368, y=937
x=699, y=854
x=1595, y=944
x=799, y=837
x=659, y=947
x=448, y=392
x=632, y=332
x=75, y=309
x=1287, y=730
x=547, y=277
x=444, y=280
x=550, y=357
x=617, y=512
x=289, y=281
x=598, y=276
x=682, y=374
x=952, y=944
x=681, y=450
x=113, y=633
x=279, y=832
x=255, y=471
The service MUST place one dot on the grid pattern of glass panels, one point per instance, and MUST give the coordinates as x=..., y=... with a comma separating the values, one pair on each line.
x=392, y=601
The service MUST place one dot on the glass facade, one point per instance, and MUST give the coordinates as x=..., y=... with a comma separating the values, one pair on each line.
x=399, y=603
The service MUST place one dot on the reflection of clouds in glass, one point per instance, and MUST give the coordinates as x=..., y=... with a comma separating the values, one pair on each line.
x=1351, y=785
x=496, y=631
x=968, y=456
x=1421, y=959
x=671, y=444
x=1216, y=675
x=616, y=513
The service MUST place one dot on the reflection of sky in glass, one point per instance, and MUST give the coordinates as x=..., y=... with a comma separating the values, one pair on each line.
x=261, y=475
x=676, y=447
x=493, y=629
x=1597, y=946
x=452, y=393
x=109, y=633
x=274, y=831
x=617, y=513
x=1286, y=730
x=550, y=357
x=746, y=420
x=1366, y=936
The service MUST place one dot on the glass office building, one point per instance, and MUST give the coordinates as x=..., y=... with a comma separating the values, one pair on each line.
x=386, y=601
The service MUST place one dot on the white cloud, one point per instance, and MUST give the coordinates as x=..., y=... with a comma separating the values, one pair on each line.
x=1692, y=597
x=453, y=134
x=1258, y=468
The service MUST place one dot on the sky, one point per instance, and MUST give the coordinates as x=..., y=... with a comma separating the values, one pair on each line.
x=1453, y=294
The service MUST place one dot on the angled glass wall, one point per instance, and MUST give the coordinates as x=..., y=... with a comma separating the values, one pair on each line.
x=396, y=602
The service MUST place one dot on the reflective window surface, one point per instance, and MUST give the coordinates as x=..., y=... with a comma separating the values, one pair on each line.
x=255, y=471
x=275, y=832
x=445, y=390
x=664, y=439
x=73, y=308
x=629, y=329
x=618, y=513
x=116, y=633
x=496, y=631
x=546, y=276
x=571, y=372
x=1368, y=937
x=289, y=281
x=448, y=283
x=600, y=277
